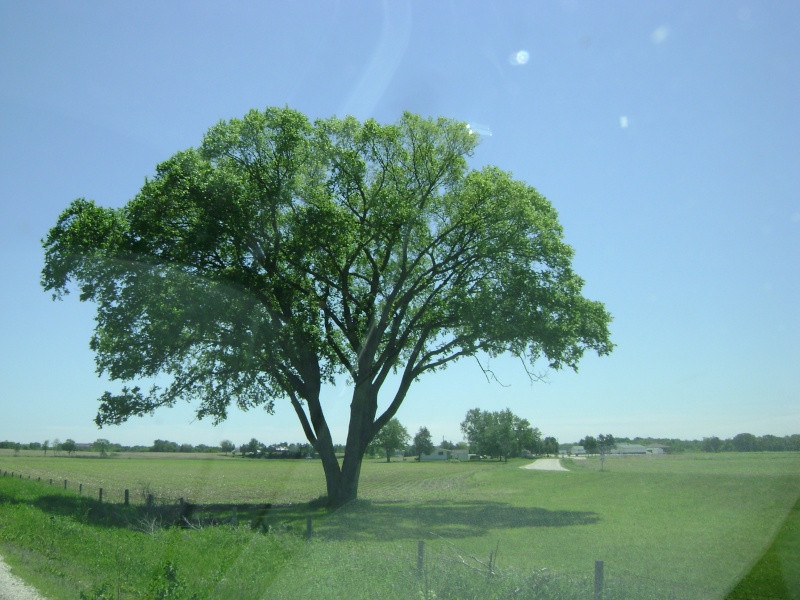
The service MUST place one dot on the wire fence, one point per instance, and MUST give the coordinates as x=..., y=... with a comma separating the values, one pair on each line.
x=443, y=570
x=140, y=493
x=444, y=567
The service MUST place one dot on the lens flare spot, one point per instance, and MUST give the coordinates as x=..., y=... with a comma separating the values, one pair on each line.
x=479, y=129
x=519, y=58
x=623, y=122
x=660, y=35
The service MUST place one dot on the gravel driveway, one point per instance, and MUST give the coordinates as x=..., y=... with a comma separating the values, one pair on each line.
x=13, y=588
x=546, y=464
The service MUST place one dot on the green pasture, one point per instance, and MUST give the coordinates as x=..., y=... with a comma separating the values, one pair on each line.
x=686, y=526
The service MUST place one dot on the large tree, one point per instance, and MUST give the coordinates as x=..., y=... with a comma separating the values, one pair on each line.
x=282, y=253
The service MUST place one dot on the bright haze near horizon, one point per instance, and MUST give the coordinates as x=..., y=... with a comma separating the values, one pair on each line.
x=665, y=134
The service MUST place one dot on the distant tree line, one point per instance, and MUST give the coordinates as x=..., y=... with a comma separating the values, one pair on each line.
x=504, y=435
x=499, y=435
x=598, y=445
x=743, y=442
x=105, y=447
x=747, y=442
x=256, y=449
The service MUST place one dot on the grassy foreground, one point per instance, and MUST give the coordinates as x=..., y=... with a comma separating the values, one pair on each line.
x=686, y=526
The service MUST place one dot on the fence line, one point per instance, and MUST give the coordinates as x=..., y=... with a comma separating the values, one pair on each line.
x=605, y=580
x=103, y=493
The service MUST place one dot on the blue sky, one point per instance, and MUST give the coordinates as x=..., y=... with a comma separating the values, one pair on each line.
x=666, y=134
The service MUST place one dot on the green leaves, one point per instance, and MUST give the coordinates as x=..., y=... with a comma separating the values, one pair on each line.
x=282, y=252
x=392, y=437
x=500, y=434
x=84, y=234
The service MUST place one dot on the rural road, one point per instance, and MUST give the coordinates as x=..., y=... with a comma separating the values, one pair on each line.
x=13, y=588
x=546, y=464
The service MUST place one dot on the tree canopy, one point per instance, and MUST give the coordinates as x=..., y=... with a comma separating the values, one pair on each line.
x=393, y=436
x=423, y=442
x=501, y=433
x=589, y=444
x=283, y=253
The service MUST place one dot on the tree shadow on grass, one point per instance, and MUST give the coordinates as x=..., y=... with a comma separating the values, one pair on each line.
x=362, y=520
x=397, y=521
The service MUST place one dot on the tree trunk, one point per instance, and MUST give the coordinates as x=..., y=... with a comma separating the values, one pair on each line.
x=333, y=474
x=348, y=481
x=362, y=414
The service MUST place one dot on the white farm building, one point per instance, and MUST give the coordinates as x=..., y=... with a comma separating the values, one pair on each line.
x=620, y=449
x=636, y=449
x=442, y=454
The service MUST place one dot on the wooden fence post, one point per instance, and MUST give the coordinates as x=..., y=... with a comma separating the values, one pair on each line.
x=420, y=555
x=149, y=500
x=127, y=498
x=65, y=484
x=101, y=495
x=598, y=580
x=80, y=489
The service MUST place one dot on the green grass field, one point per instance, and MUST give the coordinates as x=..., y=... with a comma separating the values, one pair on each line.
x=686, y=526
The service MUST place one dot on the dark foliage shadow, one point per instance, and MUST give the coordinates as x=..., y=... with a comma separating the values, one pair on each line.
x=397, y=521
x=361, y=520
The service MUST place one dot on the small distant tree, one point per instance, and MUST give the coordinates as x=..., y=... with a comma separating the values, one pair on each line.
x=226, y=446
x=550, y=445
x=69, y=446
x=164, y=446
x=307, y=450
x=252, y=447
x=526, y=438
x=606, y=443
x=56, y=446
x=745, y=442
x=392, y=437
x=589, y=444
x=423, y=444
x=101, y=445
x=46, y=446
x=17, y=448
x=712, y=444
